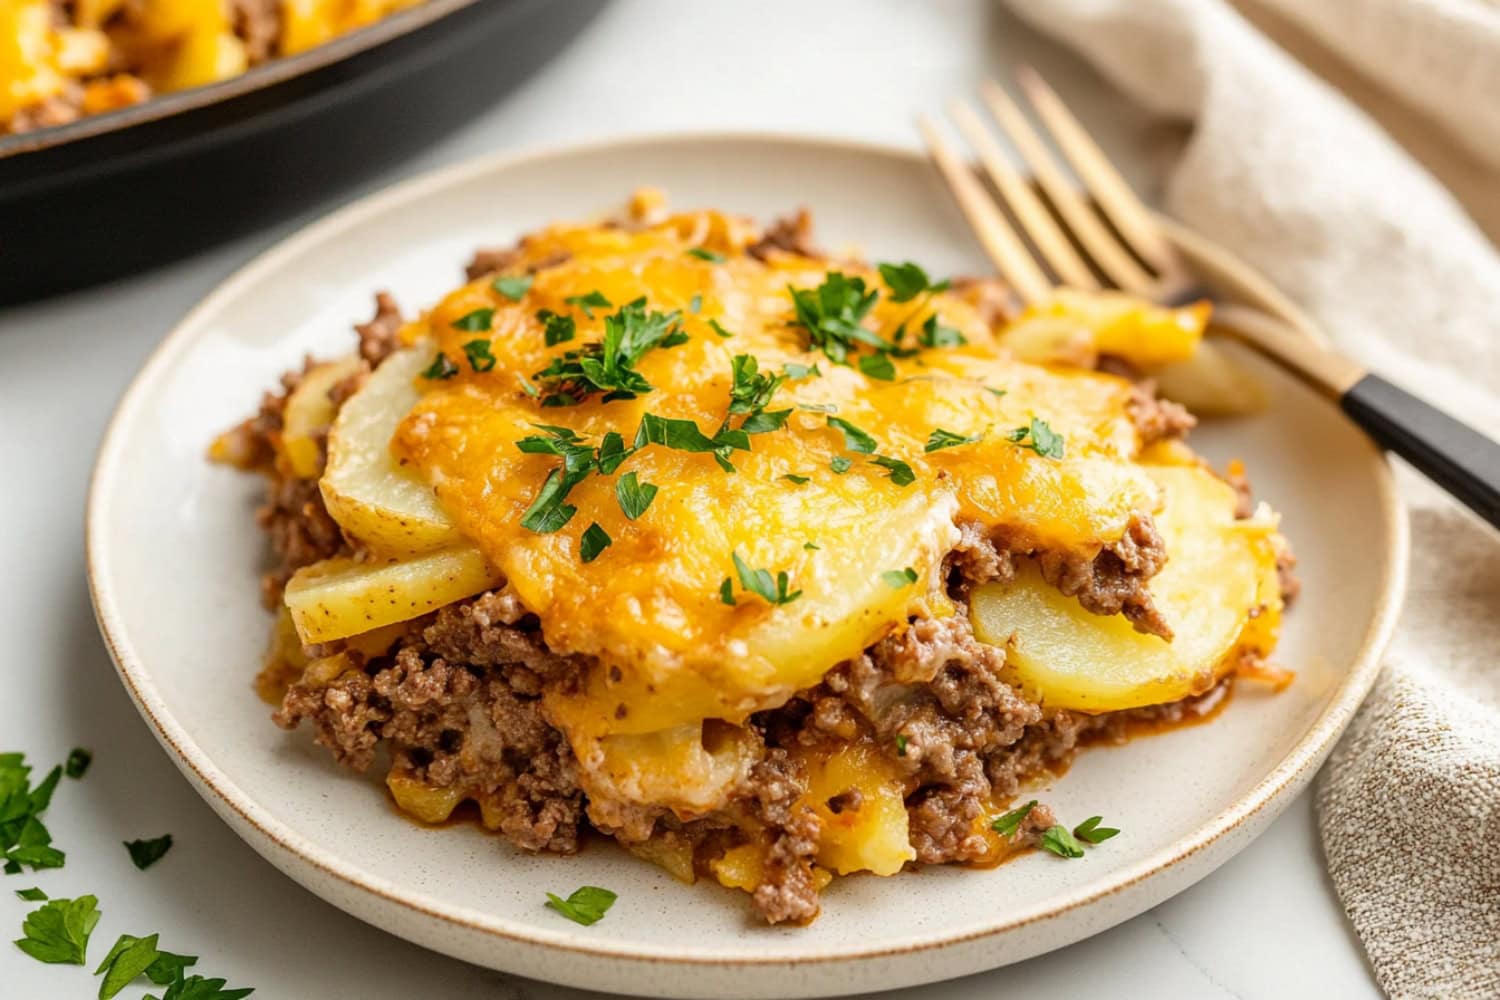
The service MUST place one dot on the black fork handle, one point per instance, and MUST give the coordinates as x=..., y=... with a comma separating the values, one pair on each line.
x=1451, y=454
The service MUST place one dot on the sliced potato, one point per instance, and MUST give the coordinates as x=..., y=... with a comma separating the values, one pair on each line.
x=340, y=597
x=372, y=497
x=309, y=411
x=1212, y=384
x=1074, y=328
x=1218, y=591
x=872, y=835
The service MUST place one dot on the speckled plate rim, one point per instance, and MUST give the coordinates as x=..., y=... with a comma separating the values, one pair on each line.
x=1218, y=264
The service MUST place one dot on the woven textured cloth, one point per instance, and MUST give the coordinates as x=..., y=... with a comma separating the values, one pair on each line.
x=1311, y=184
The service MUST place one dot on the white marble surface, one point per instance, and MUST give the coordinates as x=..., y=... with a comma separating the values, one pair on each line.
x=1267, y=925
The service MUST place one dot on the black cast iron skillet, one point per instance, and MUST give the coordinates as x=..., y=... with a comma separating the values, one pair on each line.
x=111, y=194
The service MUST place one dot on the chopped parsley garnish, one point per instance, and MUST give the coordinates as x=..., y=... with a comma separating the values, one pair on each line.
x=1059, y=841
x=811, y=547
x=1008, y=824
x=751, y=392
x=556, y=328
x=793, y=370
x=907, y=281
x=726, y=591
x=440, y=369
x=819, y=407
x=198, y=988
x=145, y=853
x=684, y=435
x=758, y=582
x=609, y=365
x=840, y=464
x=708, y=255
x=595, y=540
x=24, y=839
x=588, y=303
x=854, y=438
x=898, y=471
x=634, y=496
x=515, y=288
x=878, y=366
x=900, y=745
x=132, y=957
x=695, y=304
x=794, y=478
x=940, y=439
x=32, y=895
x=78, y=762
x=58, y=932
x=586, y=905
x=1090, y=830
x=832, y=315
x=935, y=334
x=475, y=321
x=478, y=353
x=548, y=512
x=1043, y=439
x=898, y=579
x=997, y=393
x=718, y=328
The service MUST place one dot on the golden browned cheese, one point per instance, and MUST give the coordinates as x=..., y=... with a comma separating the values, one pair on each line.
x=669, y=650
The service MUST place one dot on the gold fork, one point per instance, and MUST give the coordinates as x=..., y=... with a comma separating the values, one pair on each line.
x=1072, y=244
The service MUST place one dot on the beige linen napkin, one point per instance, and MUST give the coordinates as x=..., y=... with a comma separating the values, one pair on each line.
x=1285, y=171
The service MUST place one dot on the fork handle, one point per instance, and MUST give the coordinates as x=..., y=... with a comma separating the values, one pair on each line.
x=1451, y=454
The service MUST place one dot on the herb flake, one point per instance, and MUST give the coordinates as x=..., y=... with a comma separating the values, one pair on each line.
x=759, y=582
x=78, y=762
x=514, y=288
x=145, y=853
x=58, y=932
x=1090, y=830
x=586, y=905
x=1039, y=437
x=1009, y=823
x=594, y=541
x=475, y=322
x=899, y=579
x=1059, y=841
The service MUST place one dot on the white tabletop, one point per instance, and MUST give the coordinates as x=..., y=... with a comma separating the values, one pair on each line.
x=1266, y=925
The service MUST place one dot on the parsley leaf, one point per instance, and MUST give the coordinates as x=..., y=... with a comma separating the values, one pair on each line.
x=547, y=512
x=78, y=762
x=145, y=853
x=695, y=304
x=708, y=255
x=587, y=905
x=1091, y=831
x=24, y=839
x=129, y=958
x=556, y=328
x=839, y=464
x=832, y=315
x=1008, y=824
x=726, y=591
x=595, y=540
x=811, y=547
x=935, y=334
x=515, y=288
x=609, y=365
x=907, y=281
x=1059, y=841
x=758, y=582
x=440, y=369
x=588, y=303
x=634, y=496
x=684, y=435
x=478, y=353
x=799, y=480
x=1044, y=440
x=793, y=370
x=58, y=932
x=900, y=745
x=898, y=579
x=878, y=366
x=749, y=394
x=718, y=328
x=854, y=438
x=940, y=439
x=900, y=472
x=474, y=322
x=32, y=895
x=198, y=988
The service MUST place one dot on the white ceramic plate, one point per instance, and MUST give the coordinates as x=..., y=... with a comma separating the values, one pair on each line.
x=174, y=556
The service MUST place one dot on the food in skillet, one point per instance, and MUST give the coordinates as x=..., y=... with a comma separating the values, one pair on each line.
x=62, y=59
x=771, y=566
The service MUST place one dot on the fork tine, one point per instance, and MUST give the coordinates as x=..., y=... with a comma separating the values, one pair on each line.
x=1000, y=241
x=1035, y=220
x=1113, y=260
x=1099, y=176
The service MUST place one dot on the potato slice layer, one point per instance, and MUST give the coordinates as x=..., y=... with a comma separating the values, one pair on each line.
x=309, y=411
x=374, y=498
x=1218, y=590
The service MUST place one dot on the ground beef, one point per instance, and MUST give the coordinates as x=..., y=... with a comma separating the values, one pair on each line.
x=59, y=109
x=791, y=234
x=258, y=24
x=300, y=529
x=1157, y=419
x=1114, y=581
x=489, y=260
x=787, y=891
x=378, y=338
